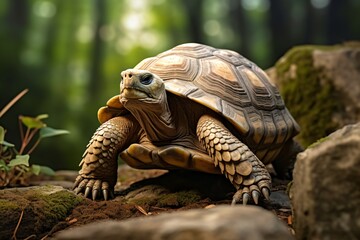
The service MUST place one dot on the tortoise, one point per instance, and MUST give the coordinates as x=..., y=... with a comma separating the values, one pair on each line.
x=193, y=107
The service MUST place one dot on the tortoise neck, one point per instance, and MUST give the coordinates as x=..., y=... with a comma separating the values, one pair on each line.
x=154, y=116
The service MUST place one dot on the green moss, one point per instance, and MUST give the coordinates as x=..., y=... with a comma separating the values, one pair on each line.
x=144, y=201
x=61, y=203
x=175, y=199
x=321, y=140
x=179, y=199
x=52, y=206
x=6, y=205
x=307, y=92
x=43, y=208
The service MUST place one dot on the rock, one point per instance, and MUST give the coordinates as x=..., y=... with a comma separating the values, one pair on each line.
x=325, y=192
x=37, y=209
x=65, y=184
x=221, y=222
x=321, y=87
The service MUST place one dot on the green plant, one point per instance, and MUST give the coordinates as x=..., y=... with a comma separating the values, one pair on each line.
x=15, y=168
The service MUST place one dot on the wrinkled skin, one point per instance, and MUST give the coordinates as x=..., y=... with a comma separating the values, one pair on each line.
x=170, y=135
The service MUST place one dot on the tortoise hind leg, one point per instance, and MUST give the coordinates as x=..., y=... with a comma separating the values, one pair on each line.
x=235, y=160
x=99, y=163
x=284, y=163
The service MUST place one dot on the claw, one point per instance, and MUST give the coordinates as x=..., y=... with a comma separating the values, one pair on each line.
x=246, y=198
x=87, y=191
x=236, y=197
x=77, y=181
x=94, y=194
x=266, y=193
x=83, y=183
x=255, y=195
x=106, y=194
x=78, y=190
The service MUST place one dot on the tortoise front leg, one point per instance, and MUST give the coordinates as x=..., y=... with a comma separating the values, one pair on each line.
x=235, y=160
x=98, y=174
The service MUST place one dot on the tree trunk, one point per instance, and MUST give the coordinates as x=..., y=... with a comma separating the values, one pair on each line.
x=194, y=11
x=280, y=24
x=97, y=53
x=237, y=22
x=337, y=30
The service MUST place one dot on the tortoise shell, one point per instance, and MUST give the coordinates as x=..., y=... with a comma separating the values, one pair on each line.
x=227, y=83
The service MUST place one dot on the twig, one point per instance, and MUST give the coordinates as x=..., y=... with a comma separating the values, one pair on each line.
x=30, y=237
x=45, y=237
x=141, y=210
x=17, y=226
x=12, y=102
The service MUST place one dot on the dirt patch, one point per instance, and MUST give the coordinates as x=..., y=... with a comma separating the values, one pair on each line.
x=157, y=192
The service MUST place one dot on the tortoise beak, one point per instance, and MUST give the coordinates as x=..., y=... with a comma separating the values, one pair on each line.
x=131, y=86
x=133, y=93
x=140, y=84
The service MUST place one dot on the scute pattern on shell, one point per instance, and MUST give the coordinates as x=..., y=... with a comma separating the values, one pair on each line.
x=231, y=85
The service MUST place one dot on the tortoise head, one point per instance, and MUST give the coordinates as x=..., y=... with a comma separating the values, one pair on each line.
x=141, y=85
x=143, y=94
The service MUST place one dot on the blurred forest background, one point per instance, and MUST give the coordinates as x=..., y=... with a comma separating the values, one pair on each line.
x=69, y=54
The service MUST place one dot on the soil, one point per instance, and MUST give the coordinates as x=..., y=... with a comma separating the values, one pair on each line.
x=152, y=192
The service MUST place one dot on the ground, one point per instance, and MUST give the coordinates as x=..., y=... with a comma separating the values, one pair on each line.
x=138, y=193
x=152, y=192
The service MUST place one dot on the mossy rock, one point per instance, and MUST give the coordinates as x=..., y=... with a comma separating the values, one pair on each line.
x=158, y=196
x=316, y=88
x=37, y=209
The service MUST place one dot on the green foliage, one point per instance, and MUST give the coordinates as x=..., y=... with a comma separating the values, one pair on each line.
x=19, y=160
x=14, y=164
x=46, y=132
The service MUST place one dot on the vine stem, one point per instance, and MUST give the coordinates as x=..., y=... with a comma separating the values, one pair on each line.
x=34, y=146
x=28, y=136
x=21, y=130
x=24, y=141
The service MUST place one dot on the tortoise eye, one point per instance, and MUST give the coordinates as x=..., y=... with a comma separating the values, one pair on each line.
x=146, y=79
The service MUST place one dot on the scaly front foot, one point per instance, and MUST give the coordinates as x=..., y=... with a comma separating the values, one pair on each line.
x=235, y=160
x=98, y=174
x=97, y=188
x=253, y=185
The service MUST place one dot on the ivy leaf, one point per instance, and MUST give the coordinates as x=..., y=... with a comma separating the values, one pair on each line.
x=4, y=166
x=20, y=160
x=2, y=138
x=47, y=171
x=35, y=169
x=42, y=116
x=50, y=132
x=31, y=122
x=7, y=144
x=2, y=134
